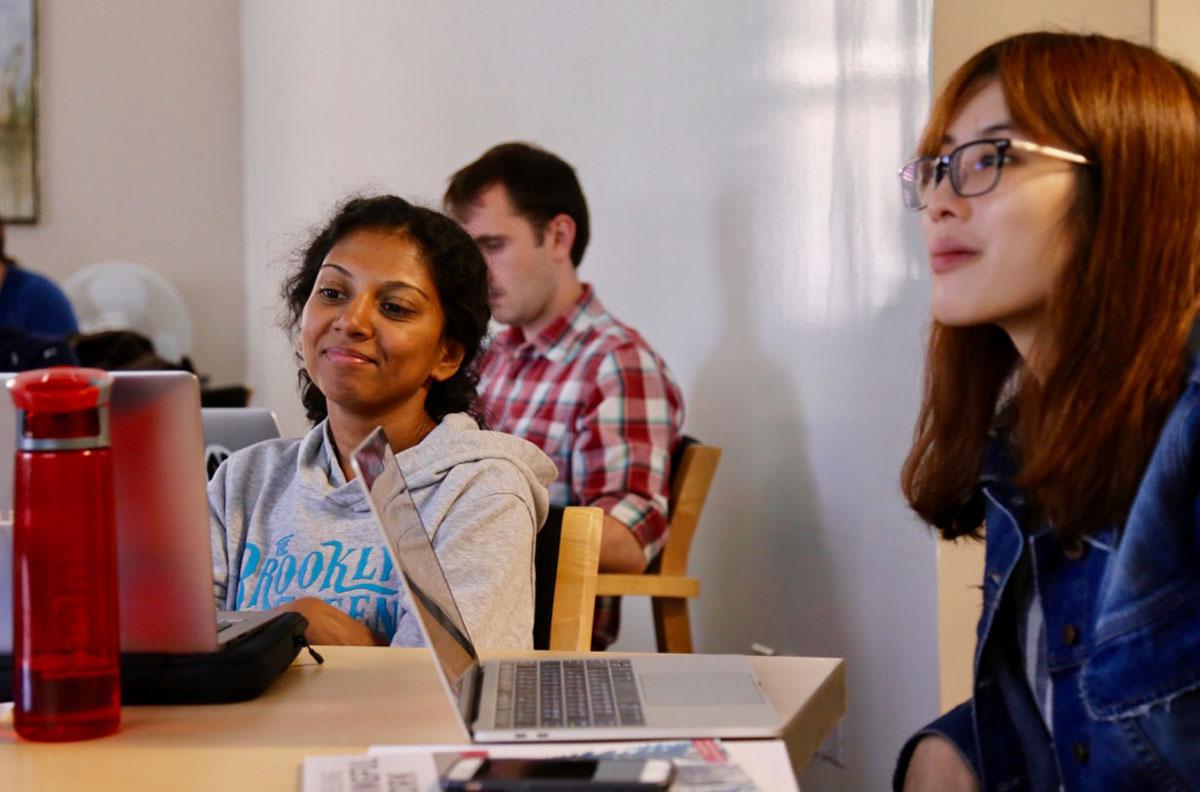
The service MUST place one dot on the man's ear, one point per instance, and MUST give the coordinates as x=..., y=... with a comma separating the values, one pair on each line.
x=450, y=360
x=560, y=235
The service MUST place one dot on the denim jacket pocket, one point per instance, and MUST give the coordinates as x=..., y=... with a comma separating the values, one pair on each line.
x=1152, y=663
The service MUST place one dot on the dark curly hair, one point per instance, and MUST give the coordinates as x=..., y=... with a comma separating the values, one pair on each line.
x=455, y=265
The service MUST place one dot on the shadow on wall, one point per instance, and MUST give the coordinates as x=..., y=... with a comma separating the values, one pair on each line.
x=807, y=544
x=764, y=496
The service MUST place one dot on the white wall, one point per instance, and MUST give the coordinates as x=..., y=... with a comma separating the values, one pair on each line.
x=739, y=159
x=140, y=151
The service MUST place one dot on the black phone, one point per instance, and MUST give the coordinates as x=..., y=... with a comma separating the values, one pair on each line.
x=477, y=774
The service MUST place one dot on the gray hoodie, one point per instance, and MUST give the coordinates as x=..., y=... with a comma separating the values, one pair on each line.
x=286, y=524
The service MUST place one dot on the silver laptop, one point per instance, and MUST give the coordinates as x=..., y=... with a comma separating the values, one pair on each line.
x=163, y=556
x=229, y=429
x=546, y=697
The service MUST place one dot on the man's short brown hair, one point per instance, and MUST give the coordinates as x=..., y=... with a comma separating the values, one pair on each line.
x=539, y=184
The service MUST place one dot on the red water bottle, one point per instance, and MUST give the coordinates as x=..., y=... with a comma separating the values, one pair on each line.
x=66, y=664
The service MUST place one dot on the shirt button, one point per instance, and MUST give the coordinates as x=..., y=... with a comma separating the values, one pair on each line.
x=1074, y=550
x=1081, y=753
x=1069, y=634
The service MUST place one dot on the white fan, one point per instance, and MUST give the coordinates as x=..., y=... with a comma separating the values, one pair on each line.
x=121, y=295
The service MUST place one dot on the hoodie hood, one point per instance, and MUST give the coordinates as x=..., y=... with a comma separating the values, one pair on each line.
x=457, y=440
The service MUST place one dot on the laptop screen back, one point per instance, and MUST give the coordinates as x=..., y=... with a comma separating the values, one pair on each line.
x=164, y=558
x=229, y=429
x=406, y=539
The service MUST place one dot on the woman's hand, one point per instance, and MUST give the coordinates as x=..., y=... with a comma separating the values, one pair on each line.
x=329, y=626
x=937, y=765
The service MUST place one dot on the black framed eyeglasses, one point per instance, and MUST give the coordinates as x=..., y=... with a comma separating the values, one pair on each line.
x=974, y=168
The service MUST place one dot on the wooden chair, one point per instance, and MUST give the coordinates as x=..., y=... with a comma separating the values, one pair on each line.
x=567, y=557
x=666, y=581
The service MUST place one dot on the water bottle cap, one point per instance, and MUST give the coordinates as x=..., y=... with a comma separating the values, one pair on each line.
x=60, y=390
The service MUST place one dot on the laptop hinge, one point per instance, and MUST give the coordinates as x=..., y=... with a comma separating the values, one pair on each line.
x=473, y=691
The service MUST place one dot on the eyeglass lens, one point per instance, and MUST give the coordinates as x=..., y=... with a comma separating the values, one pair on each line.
x=974, y=169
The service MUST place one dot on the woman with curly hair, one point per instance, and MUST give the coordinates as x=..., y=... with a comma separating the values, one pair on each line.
x=389, y=305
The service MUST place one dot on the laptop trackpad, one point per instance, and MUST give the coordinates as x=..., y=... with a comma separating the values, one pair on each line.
x=701, y=690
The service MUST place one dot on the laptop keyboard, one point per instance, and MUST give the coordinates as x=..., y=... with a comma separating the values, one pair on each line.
x=567, y=693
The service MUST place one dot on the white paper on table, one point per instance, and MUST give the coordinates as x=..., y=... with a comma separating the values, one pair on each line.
x=418, y=768
x=700, y=765
x=413, y=771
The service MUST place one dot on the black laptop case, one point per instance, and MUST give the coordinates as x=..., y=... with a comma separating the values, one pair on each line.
x=237, y=672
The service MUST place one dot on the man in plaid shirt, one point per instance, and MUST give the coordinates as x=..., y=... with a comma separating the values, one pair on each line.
x=565, y=374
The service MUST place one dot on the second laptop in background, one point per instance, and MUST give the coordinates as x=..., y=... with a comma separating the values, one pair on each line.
x=229, y=429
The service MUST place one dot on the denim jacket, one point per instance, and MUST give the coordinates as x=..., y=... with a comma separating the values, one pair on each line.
x=1122, y=620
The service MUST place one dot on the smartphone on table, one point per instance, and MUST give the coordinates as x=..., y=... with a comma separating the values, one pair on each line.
x=477, y=774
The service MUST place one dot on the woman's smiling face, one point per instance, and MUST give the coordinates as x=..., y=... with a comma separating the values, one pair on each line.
x=372, y=328
x=995, y=257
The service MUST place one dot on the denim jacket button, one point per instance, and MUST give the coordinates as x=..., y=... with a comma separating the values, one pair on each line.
x=1074, y=550
x=1081, y=752
x=1070, y=634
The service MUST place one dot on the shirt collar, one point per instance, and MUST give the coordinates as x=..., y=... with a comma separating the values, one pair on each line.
x=557, y=338
x=998, y=464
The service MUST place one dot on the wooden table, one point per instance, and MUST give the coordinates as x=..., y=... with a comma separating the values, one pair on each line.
x=360, y=697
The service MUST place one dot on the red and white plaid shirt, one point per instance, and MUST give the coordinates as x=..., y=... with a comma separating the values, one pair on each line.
x=591, y=393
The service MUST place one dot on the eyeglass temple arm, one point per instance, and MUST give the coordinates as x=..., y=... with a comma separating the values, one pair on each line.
x=1050, y=151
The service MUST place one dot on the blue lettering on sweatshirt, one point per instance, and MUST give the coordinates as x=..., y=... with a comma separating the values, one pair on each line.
x=360, y=581
x=334, y=569
x=249, y=567
x=310, y=569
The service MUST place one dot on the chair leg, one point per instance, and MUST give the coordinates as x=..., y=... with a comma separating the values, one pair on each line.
x=671, y=627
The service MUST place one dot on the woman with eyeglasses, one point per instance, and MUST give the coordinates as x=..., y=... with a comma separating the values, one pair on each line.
x=1059, y=192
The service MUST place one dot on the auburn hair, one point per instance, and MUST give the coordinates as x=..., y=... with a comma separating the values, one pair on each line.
x=1119, y=314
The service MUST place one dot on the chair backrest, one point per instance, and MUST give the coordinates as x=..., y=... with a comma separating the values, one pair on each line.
x=575, y=584
x=566, y=560
x=693, y=466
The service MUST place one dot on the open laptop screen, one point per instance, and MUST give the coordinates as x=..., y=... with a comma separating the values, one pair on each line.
x=411, y=549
